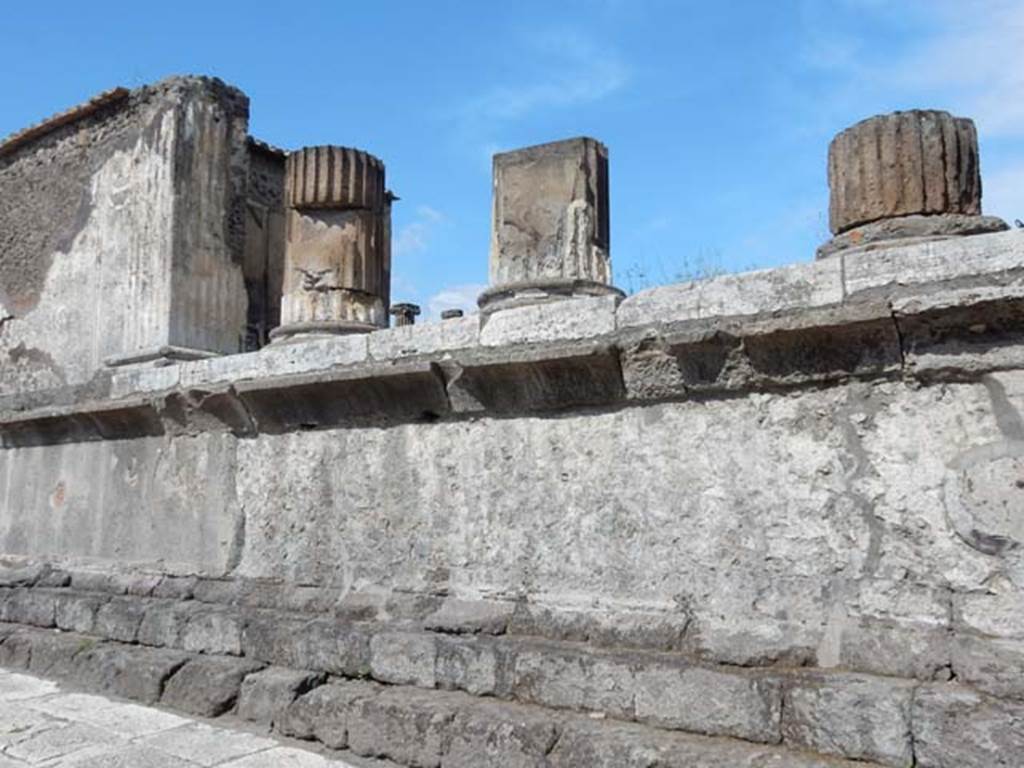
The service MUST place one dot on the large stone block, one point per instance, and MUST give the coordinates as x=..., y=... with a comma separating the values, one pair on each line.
x=129, y=671
x=404, y=658
x=710, y=701
x=853, y=716
x=324, y=712
x=555, y=676
x=264, y=696
x=504, y=735
x=405, y=725
x=119, y=619
x=956, y=727
x=207, y=686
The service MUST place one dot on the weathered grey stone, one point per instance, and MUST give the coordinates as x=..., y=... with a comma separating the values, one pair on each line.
x=178, y=587
x=207, y=686
x=618, y=745
x=476, y=665
x=213, y=630
x=164, y=622
x=119, y=619
x=489, y=617
x=15, y=648
x=77, y=612
x=500, y=734
x=405, y=725
x=855, y=716
x=404, y=658
x=709, y=701
x=324, y=712
x=392, y=343
x=581, y=317
x=792, y=287
x=991, y=665
x=891, y=648
x=265, y=695
x=922, y=161
x=908, y=229
x=338, y=250
x=54, y=653
x=138, y=187
x=25, y=605
x=555, y=676
x=549, y=233
x=128, y=671
x=955, y=727
x=21, y=576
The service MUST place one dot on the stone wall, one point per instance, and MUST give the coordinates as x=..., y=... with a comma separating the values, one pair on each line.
x=763, y=519
x=123, y=231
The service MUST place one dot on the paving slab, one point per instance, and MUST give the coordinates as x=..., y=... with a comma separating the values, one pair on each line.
x=43, y=726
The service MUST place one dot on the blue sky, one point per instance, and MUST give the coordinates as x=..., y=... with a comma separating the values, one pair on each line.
x=717, y=115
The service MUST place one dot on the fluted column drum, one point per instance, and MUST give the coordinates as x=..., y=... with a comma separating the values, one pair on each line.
x=337, y=250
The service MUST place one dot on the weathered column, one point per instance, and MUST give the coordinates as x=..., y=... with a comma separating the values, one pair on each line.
x=550, y=228
x=405, y=314
x=905, y=176
x=337, y=249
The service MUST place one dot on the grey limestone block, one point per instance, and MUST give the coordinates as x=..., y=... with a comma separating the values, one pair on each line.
x=409, y=726
x=404, y=658
x=957, y=727
x=26, y=605
x=164, y=622
x=557, y=676
x=214, y=629
x=489, y=617
x=54, y=653
x=509, y=735
x=712, y=701
x=849, y=715
x=324, y=712
x=119, y=619
x=265, y=695
x=477, y=665
x=123, y=670
x=76, y=612
x=207, y=686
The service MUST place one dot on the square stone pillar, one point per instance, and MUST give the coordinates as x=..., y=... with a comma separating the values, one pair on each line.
x=550, y=225
x=181, y=294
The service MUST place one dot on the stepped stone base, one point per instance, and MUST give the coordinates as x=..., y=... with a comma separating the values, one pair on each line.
x=908, y=230
x=462, y=684
x=540, y=291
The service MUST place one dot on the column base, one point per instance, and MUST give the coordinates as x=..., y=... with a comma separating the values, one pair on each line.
x=540, y=291
x=907, y=230
x=320, y=328
x=159, y=356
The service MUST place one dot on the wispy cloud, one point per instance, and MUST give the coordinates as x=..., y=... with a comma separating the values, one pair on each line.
x=570, y=70
x=414, y=237
x=454, y=297
x=972, y=62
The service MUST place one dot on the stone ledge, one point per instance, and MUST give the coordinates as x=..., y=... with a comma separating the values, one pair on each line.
x=411, y=726
x=944, y=310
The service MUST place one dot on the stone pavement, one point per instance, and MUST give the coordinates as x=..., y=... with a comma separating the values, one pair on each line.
x=42, y=725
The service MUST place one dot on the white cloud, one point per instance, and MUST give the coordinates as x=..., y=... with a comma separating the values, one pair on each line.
x=968, y=60
x=415, y=236
x=573, y=70
x=454, y=297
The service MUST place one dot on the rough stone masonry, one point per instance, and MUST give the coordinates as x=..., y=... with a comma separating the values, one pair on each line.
x=766, y=519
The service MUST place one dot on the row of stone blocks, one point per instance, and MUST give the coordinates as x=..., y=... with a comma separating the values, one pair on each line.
x=940, y=725
x=881, y=719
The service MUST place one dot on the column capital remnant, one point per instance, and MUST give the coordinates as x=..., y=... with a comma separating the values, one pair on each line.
x=907, y=176
x=550, y=225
